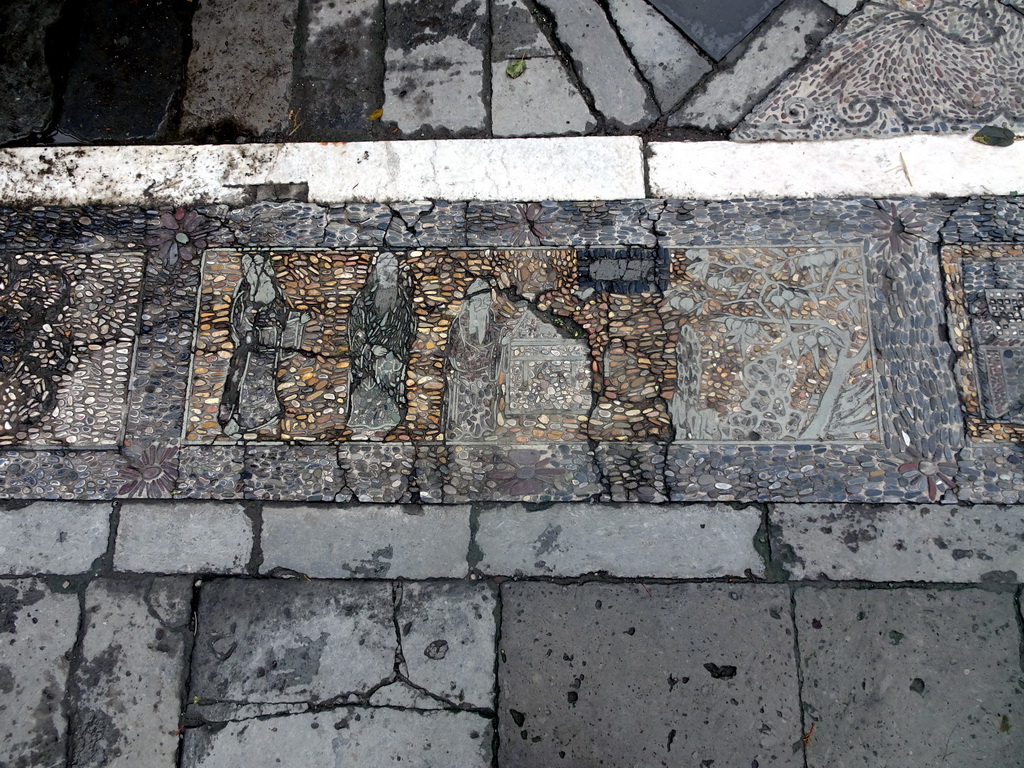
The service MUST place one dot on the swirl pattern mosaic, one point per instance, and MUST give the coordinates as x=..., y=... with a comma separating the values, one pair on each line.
x=466, y=351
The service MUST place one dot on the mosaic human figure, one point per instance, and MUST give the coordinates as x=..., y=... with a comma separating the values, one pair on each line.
x=260, y=324
x=34, y=350
x=381, y=329
x=471, y=365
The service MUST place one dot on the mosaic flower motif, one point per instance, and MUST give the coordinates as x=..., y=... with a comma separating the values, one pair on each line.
x=526, y=473
x=900, y=229
x=527, y=224
x=934, y=473
x=181, y=237
x=152, y=474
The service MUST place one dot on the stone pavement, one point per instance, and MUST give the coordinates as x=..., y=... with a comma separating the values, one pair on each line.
x=612, y=450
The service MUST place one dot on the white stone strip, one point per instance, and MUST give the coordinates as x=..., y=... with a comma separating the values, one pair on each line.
x=948, y=166
x=597, y=168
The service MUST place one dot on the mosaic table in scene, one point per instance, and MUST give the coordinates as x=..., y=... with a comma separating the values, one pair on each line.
x=443, y=352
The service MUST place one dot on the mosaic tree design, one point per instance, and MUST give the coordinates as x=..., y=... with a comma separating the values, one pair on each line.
x=774, y=346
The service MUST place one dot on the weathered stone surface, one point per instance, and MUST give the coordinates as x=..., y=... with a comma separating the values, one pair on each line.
x=540, y=102
x=240, y=69
x=605, y=69
x=338, y=85
x=434, y=66
x=184, y=537
x=128, y=687
x=910, y=677
x=716, y=25
x=899, y=543
x=277, y=643
x=393, y=542
x=726, y=97
x=634, y=675
x=24, y=75
x=667, y=60
x=668, y=541
x=126, y=71
x=842, y=6
x=53, y=537
x=369, y=738
x=448, y=632
x=37, y=632
x=515, y=32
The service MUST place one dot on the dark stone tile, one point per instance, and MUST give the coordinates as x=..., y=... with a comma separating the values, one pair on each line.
x=126, y=69
x=716, y=25
x=24, y=75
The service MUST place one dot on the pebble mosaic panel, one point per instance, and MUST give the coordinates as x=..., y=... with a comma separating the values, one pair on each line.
x=452, y=352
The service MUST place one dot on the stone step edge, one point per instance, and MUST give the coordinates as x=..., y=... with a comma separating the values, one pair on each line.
x=574, y=168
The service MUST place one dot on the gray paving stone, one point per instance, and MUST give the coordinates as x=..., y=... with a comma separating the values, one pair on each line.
x=184, y=537
x=911, y=677
x=448, y=633
x=515, y=32
x=129, y=684
x=24, y=75
x=668, y=61
x=278, y=643
x=434, y=66
x=716, y=25
x=337, y=87
x=667, y=541
x=540, y=102
x=899, y=542
x=53, y=537
x=842, y=6
x=728, y=95
x=37, y=632
x=240, y=69
x=604, y=68
x=371, y=541
x=368, y=738
x=126, y=70
x=661, y=675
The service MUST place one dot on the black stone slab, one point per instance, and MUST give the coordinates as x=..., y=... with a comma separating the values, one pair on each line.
x=716, y=25
x=126, y=70
x=24, y=76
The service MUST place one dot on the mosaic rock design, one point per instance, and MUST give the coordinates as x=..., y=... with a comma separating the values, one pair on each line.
x=451, y=352
x=898, y=66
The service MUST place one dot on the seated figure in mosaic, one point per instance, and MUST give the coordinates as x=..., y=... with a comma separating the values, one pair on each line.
x=34, y=350
x=261, y=327
x=381, y=329
x=472, y=355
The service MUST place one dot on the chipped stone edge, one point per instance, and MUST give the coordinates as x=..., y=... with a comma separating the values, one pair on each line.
x=573, y=168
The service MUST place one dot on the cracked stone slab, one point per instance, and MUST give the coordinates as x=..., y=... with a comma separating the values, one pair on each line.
x=669, y=62
x=717, y=26
x=665, y=540
x=212, y=537
x=240, y=69
x=37, y=632
x=290, y=642
x=128, y=686
x=727, y=96
x=24, y=75
x=369, y=738
x=448, y=632
x=602, y=64
x=542, y=101
x=335, y=88
x=911, y=677
x=434, y=65
x=395, y=541
x=900, y=542
x=126, y=70
x=633, y=675
x=53, y=537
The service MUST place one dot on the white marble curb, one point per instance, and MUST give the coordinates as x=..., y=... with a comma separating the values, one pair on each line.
x=588, y=168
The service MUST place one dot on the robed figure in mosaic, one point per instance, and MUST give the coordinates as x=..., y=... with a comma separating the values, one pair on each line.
x=381, y=329
x=472, y=367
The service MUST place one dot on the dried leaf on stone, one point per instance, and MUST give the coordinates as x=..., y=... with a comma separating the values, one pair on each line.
x=994, y=136
x=516, y=68
x=1004, y=724
x=377, y=114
